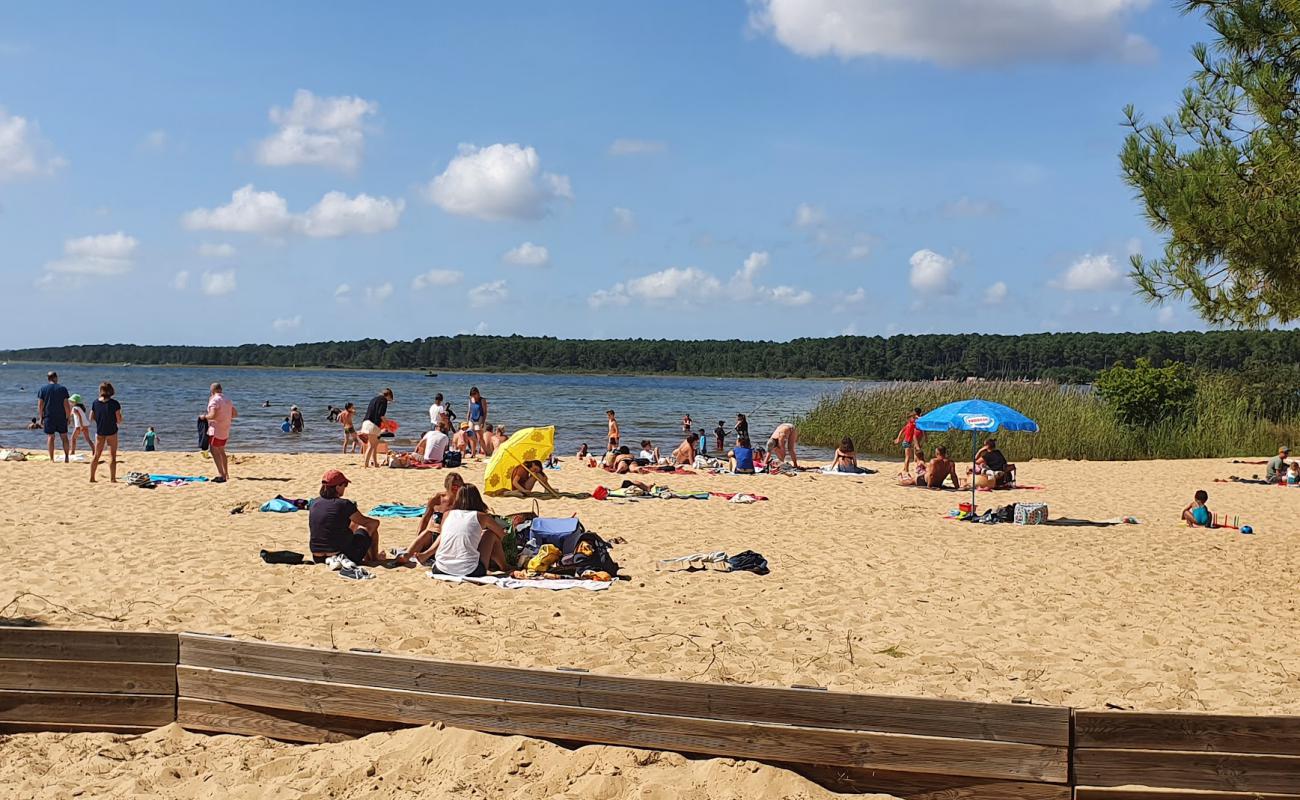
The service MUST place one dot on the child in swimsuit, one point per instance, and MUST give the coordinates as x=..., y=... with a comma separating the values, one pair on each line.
x=1197, y=515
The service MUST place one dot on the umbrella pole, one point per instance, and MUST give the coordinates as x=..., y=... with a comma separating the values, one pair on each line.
x=974, y=451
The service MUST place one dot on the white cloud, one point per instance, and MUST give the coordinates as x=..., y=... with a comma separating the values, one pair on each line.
x=219, y=282
x=98, y=256
x=636, y=147
x=287, y=323
x=318, y=131
x=527, y=255
x=181, y=280
x=847, y=300
x=996, y=294
x=694, y=286
x=339, y=215
x=858, y=252
x=497, y=182
x=436, y=277
x=1091, y=274
x=155, y=140
x=380, y=293
x=267, y=213
x=614, y=296
x=790, y=296
x=971, y=208
x=488, y=294
x=249, y=211
x=23, y=153
x=343, y=290
x=624, y=219
x=953, y=31
x=209, y=250
x=931, y=273
x=808, y=216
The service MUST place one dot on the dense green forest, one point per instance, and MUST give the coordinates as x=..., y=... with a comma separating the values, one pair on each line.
x=1065, y=357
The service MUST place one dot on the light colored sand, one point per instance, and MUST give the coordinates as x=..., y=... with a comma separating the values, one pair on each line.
x=420, y=762
x=871, y=589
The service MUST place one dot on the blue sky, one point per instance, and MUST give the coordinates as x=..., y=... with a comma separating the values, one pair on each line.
x=227, y=173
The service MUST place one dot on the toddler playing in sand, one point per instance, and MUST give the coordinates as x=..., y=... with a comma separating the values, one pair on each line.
x=1196, y=515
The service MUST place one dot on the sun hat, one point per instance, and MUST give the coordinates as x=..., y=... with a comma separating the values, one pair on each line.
x=76, y=398
x=334, y=478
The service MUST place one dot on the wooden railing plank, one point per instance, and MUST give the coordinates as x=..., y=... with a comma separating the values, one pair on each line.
x=1278, y=735
x=915, y=786
x=1173, y=769
x=1141, y=793
x=682, y=734
x=63, y=727
x=142, y=710
x=292, y=726
x=76, y=645
x=1045, y=725
x=116, y=677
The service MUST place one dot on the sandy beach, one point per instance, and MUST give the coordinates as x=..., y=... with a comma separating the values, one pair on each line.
x=871, y=589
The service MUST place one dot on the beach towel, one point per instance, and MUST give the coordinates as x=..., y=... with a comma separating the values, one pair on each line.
x=516, y=583
x=833, y=471
x=279, y=506
x=1013, y=486
x=12, y=455
x=1255, y=463
x=202, y=425
x=176, y=480
x=695, y=561
x=730, y=495
x=397, y=510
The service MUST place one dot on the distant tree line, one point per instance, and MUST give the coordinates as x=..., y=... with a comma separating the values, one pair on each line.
x=1064, y=357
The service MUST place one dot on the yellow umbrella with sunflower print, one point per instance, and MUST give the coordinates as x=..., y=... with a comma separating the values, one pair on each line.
x=526, y=444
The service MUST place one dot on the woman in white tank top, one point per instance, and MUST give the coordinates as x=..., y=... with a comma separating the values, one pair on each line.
x=469, y=541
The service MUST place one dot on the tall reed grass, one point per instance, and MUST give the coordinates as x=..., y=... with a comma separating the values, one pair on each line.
x=1074, y=423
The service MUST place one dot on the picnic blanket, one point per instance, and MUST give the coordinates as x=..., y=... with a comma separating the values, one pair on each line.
x=397, y=510
x=516, y=583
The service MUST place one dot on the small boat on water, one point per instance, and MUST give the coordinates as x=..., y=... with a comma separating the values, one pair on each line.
x=430, y=374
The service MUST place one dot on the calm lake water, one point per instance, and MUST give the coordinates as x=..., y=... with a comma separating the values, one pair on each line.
x=169, y=398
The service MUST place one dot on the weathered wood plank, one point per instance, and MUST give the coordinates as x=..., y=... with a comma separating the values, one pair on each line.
x=212, y=716
x=682, y=734
x=119, y=677
x=73, y=645
x=913, y=786
x=1220, y=733
x=63, y=727
x=141, y=710
x=1176, y=769
x=1144, y=793
x=1044, y=725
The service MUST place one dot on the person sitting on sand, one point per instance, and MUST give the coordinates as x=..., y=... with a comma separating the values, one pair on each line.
x=1293, y=474
x=846, y=457
x=432, y=445
x=434, y=510
x=685, y=452
x=649, y=454
x=495, y=439
x=583, y=453
x=337, y=527
x=941, y=469
x=527, y=475
x=740, y=459
x=623, y=461
x=916, y=475
x=991, y=467
x=1197, y=515
x=1277, y=466
x=469, y=542
x=782, y=442
x=462, y=439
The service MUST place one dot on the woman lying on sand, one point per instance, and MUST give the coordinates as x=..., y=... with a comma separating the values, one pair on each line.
x=336, y=526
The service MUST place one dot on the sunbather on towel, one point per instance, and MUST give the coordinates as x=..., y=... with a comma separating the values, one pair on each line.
x=430, y=523
x=623, y=461
x=941, y=469
x=846, y=457
x=337, y=527
x=685, y=452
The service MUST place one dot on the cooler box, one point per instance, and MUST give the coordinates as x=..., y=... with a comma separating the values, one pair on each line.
x=1030, y=514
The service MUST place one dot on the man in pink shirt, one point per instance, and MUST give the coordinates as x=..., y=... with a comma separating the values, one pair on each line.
x=219, y=414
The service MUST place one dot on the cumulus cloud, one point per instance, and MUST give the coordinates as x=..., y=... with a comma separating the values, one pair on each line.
x=96, y=256
x=847, y=300
x=808, y=216
x=23, y=153
x=287, y=323
x=931, y=273
x=181, y=280
x=488, y=294
x=1091, y=274
x=209, y=250
x=858, y=252
x=790, y=296
x=318, y=131
x=636, y=147
x=267, y=213
x=694, y=286
x=624, y=219
x=953, y=32
x=996, y=294
x=527, y=255
x=380, y=293
x=342, y=291
x=497, y=182
x=436, y=277
x=218, y=282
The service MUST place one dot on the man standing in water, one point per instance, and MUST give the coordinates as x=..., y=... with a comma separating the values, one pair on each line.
x=218, y=416
x=53, y=408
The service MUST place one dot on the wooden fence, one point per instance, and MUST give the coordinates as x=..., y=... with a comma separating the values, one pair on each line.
x=917, y=748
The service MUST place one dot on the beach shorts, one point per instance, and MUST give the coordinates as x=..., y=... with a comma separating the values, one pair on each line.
x=480, y=571
x=350, y=431
x=358, y=548
x=369, y=428
x=217, y=443
x=477, y=426
x=907, y=445
x=52, y=427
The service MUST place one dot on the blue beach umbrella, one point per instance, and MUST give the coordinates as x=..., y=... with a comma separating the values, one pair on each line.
x=975, y=416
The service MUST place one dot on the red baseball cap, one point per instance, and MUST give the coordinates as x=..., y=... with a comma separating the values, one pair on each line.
x=334, y=478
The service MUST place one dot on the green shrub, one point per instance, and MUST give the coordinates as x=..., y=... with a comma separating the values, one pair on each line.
x=1143, y=396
